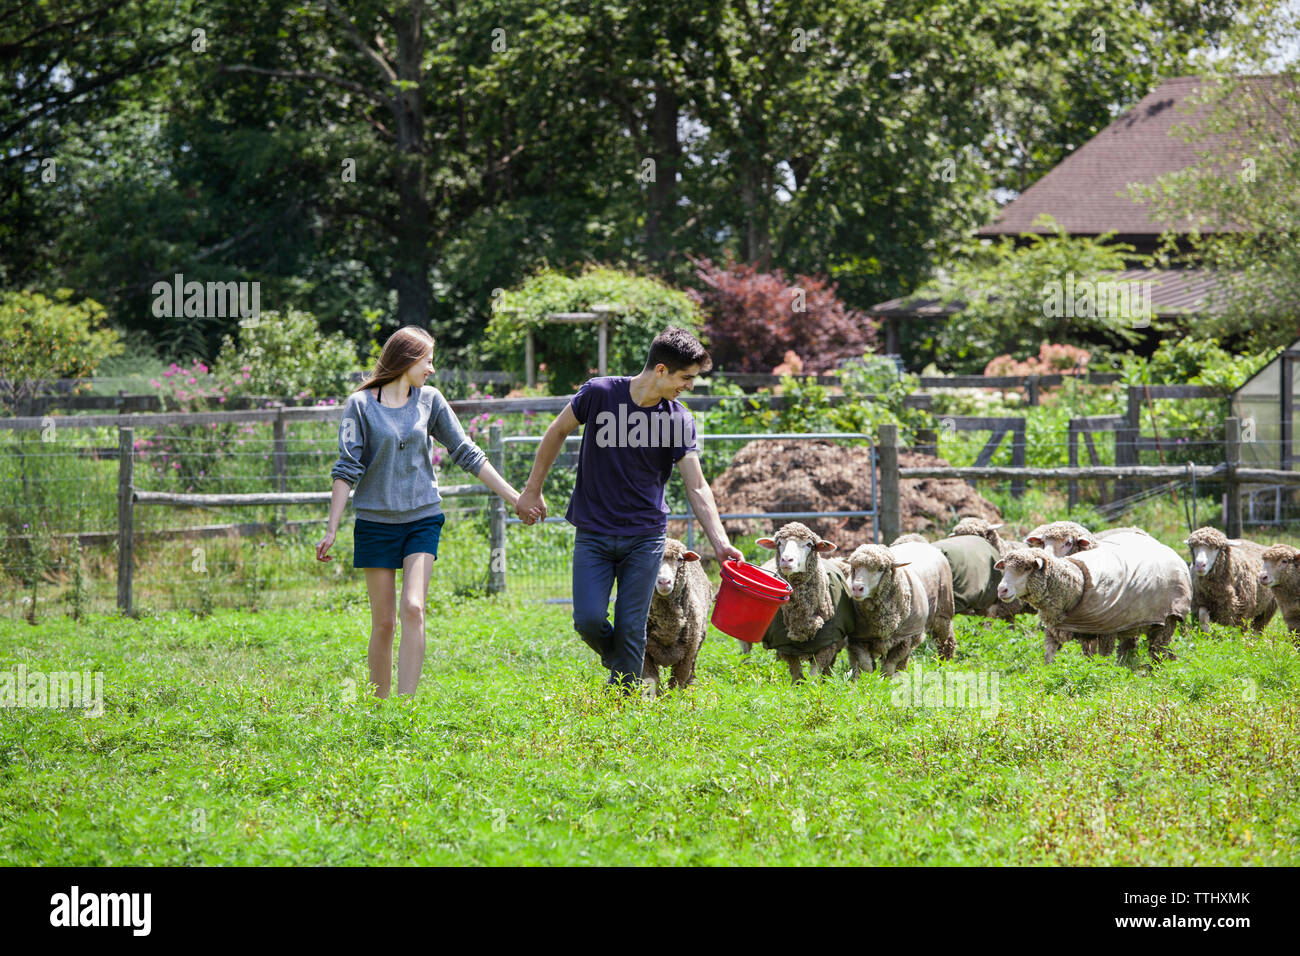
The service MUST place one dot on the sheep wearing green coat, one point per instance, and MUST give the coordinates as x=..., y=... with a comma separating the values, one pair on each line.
x=817, y=620
x=975, y=577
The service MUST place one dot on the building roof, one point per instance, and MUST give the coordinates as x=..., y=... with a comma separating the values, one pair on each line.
x=1086, y=193
x=1174, y=293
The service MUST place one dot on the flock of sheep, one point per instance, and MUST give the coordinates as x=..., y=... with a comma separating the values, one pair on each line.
x=1103, y=591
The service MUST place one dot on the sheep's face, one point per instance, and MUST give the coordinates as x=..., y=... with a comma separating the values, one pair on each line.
x=1060, y=539
x=1279, y=562
x=668, y=570
x=867, y=568
x=1063, y=547
x=793, y=551
x=1017, y=568
x=1203, y=558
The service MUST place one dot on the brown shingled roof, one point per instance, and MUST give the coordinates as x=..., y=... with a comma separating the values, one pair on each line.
x=1086, y=193
x=1174, y=293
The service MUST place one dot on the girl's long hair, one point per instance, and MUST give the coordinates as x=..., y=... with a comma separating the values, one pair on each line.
x=403, y=349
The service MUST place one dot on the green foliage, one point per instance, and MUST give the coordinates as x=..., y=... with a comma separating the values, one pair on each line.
x=1012, y=298
x=1182, y=360
x=43, y=338
x=646, y=307
x=287, y=356
x=1250, y=180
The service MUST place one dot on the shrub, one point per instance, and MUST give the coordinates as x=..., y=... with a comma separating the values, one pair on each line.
x=287, y=356
x=1051, y=360
x=646, y=305
x=755, y=318
x=43, y=339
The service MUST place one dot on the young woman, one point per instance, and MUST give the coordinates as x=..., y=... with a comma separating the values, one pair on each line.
x=385, y=444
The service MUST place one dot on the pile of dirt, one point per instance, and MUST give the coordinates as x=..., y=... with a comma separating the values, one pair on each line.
x=772, y=475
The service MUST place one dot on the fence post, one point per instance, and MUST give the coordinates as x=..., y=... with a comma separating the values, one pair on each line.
x=1031, y=389
x=1232, y=457
x=125, y=516
x=530, y=355
x=1126, y=440
x=890, y=520
x=497, y=533
x=280, y=458
x=1072, y=443
x=1018, y=457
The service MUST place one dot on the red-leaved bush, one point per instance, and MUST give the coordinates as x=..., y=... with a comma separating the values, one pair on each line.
x=754, y=318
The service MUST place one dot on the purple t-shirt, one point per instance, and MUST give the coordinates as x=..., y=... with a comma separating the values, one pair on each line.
x=627, y=456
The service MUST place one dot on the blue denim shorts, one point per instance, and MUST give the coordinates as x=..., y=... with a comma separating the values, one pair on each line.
x=377, y=544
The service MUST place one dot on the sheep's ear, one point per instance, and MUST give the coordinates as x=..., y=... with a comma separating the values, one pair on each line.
x=1040, y=561
x=994, y=527
x=825, y=547
x=903, y=564
x=1034, y=541
x=1083, y=543
x=690, y=556
x=769, y=543
x=1001, y=565
x=1187, y=541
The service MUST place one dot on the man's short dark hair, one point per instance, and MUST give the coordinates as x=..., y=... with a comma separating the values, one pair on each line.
x=677, y=349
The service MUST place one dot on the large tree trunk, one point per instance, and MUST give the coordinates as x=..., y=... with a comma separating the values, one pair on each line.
x=666, y=153
x=410, y=276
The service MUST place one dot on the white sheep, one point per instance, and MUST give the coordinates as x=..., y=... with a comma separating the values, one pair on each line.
x=814, y=624
x=1280, y=573
x=899, y=595
x=679, y=617
x=1226, y=586
x=1128, y=584
x=1061, y=539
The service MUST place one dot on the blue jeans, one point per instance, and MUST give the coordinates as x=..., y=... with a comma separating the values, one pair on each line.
x=599, y=560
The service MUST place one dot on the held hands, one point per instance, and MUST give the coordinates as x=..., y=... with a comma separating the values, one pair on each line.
x=530, y=507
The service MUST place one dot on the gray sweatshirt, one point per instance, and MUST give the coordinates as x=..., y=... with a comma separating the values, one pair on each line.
x=384, y=454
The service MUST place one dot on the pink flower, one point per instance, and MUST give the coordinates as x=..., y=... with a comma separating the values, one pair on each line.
x=201, y=366
x=170, y=372
x=190, y=381
x=245, y=368
x=176, y=464
x=155, y=383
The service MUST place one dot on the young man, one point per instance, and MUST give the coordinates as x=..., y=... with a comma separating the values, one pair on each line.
x=635, y=432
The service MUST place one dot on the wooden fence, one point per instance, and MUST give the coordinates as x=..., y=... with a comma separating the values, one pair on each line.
x=1230, y=472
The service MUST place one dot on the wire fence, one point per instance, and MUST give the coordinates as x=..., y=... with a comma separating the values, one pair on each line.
x=60, y=505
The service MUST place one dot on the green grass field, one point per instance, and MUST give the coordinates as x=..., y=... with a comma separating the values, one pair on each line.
x=251, y=739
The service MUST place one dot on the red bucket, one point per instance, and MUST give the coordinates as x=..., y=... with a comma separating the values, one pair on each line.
x=748, y=600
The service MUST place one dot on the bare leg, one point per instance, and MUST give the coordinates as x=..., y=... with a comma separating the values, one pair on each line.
x=383, y=624
x=416, y=569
